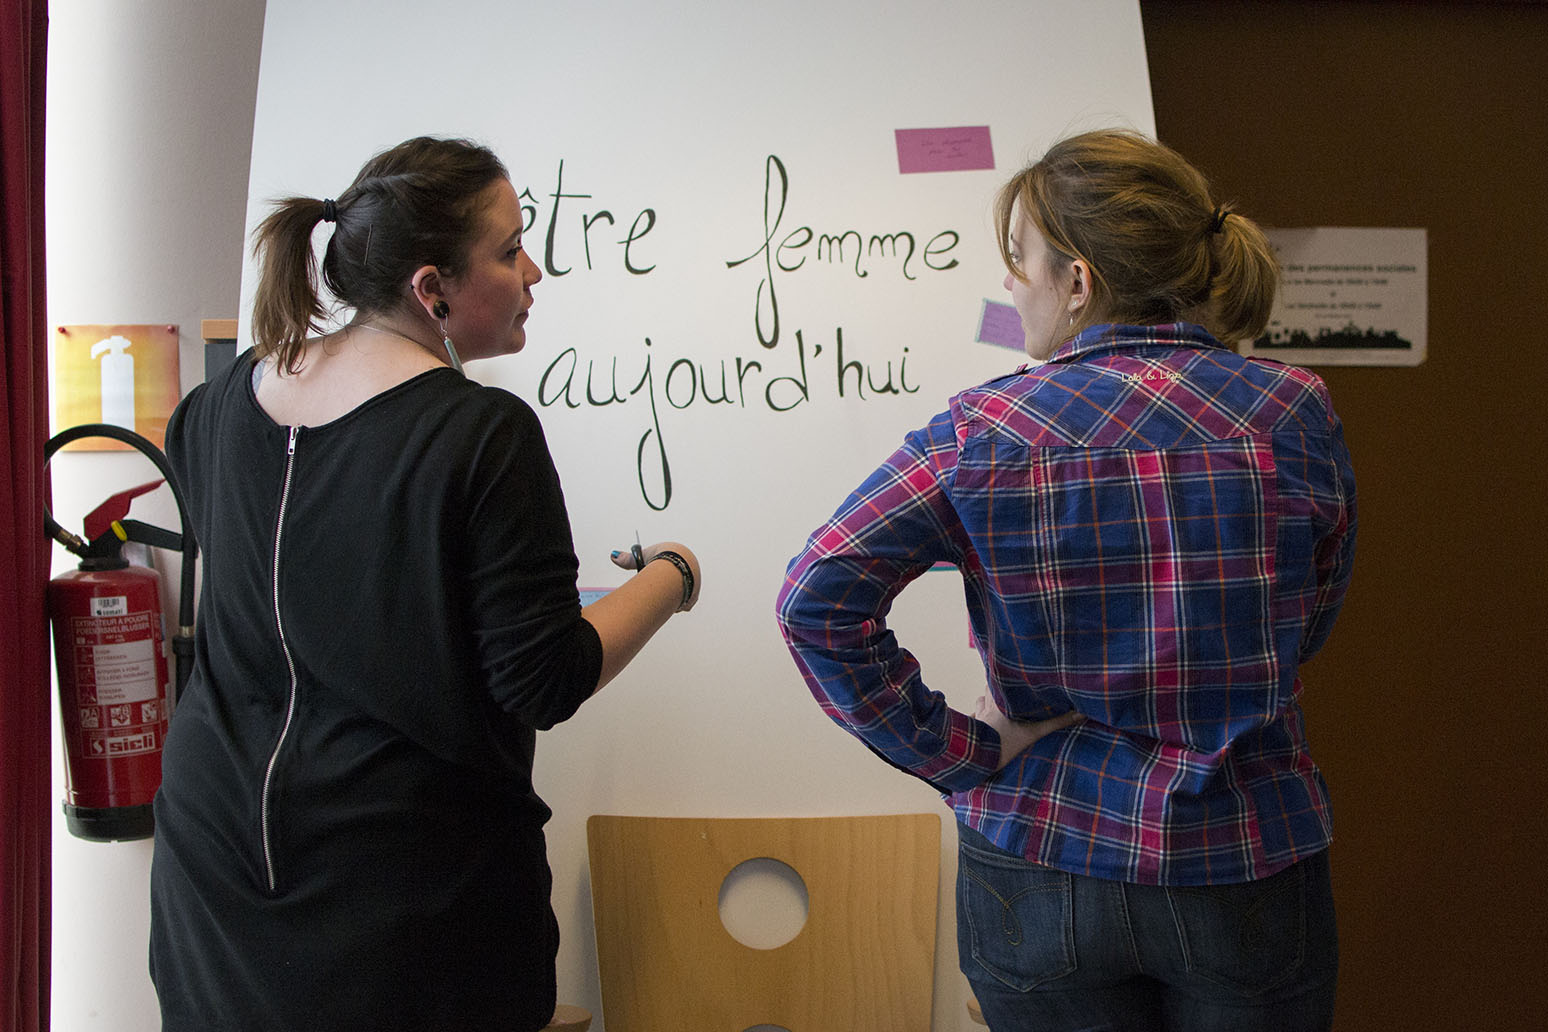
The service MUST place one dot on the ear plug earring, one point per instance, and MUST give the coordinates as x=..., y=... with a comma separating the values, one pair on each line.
x=441, y=310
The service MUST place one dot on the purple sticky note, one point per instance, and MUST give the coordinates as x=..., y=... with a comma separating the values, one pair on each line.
x=944, y=150
x=1001, y=325
x=590, y=595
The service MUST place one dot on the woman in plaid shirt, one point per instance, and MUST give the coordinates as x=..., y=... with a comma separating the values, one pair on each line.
x=1154, y=533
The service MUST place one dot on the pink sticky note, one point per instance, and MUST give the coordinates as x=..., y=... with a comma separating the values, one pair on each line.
x=1001, y=325
x=944, y=150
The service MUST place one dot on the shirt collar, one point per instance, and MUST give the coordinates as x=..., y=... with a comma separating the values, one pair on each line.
x=1109, y=337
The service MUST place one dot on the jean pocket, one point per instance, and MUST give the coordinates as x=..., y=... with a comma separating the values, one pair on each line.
x=1248, y=937
x=1014, y=919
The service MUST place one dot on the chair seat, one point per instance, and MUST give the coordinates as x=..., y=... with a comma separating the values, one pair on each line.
x=975, y=1011
x=569, y=1018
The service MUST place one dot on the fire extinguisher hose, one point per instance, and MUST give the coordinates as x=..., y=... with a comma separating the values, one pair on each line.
x=183, y=640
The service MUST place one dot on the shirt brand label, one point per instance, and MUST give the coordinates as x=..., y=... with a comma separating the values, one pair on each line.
x=1152, y=376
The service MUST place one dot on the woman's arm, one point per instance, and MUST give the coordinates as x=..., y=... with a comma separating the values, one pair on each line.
x=629, y=615
x=833, y=606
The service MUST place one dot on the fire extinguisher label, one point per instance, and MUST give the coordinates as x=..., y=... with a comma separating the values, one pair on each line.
x=110, y=605
x=116, y=682
x=121, y=673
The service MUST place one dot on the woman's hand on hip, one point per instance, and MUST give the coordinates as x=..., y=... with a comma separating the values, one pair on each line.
x=1017, y=736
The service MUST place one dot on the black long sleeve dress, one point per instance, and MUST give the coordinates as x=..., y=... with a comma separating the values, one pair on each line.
x=347, y=835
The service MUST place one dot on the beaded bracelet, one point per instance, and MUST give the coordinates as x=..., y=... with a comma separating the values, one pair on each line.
x=682, y=568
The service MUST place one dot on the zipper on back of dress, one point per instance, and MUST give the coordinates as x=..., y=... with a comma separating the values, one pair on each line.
x=290, y=665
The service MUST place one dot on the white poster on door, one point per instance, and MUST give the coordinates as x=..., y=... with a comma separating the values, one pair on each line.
x=1348, y=297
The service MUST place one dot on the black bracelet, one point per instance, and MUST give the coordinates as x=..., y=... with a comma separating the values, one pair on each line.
x=682, y=568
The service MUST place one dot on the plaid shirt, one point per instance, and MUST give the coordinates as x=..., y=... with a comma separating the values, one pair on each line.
x=1151, y=529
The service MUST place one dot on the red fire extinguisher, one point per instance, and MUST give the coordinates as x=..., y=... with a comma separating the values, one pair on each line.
x=115, y=695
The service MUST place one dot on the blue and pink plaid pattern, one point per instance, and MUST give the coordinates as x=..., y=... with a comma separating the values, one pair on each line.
x=1151, y=529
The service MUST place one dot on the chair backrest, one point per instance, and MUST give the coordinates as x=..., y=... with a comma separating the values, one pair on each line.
x=864, y=961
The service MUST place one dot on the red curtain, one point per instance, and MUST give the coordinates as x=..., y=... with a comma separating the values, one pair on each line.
x=25, y=812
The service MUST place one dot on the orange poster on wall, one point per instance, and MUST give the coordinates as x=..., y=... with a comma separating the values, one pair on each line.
x=123, y=375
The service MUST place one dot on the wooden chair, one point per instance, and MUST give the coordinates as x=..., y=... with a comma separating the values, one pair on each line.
x=975, y=1012
x=864, y=961
x=569, y=1018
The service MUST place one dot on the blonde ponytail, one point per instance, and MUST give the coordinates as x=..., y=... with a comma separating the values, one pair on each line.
x=1145, y=222
x=1241, y=293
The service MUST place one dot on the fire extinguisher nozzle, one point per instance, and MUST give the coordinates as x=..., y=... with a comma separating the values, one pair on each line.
x=74, y=544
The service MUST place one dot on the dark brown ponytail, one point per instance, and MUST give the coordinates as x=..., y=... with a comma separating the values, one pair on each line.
x=287, y=307
x=416, y=204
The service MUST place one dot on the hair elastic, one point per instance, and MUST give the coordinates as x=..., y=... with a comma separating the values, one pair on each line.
x=1218, y=221
x=330, y=210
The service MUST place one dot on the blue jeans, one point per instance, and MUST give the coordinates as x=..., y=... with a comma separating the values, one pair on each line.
x=1048, y=951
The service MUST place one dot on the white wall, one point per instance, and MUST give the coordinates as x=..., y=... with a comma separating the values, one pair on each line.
x=149, y=130
x=672, y=106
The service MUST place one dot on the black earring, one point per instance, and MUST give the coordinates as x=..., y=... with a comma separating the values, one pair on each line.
x=440, y=309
